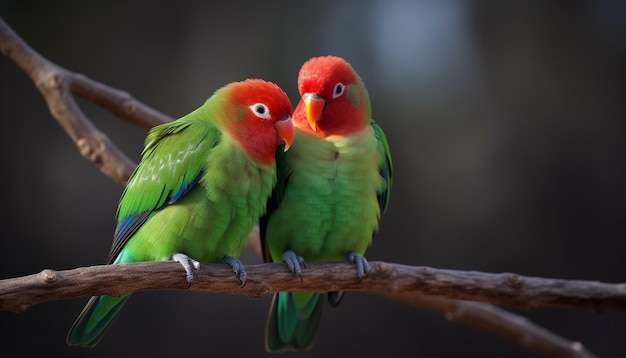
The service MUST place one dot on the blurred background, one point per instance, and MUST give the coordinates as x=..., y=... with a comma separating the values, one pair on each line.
x=506, y=122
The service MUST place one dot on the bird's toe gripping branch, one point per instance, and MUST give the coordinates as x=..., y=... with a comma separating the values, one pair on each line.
x=188, y=264
x=237, y=267
x=294, y=262
x=362, y=266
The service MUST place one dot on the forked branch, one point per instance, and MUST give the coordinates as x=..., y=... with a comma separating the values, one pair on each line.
x=58, y=86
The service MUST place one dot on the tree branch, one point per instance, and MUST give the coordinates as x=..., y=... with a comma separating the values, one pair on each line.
x=388, y=279
x=518, y=330
x=58, y=86
x=413, y=285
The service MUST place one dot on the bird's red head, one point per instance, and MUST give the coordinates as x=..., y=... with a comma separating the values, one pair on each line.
x=261, y=118
x=333, y=101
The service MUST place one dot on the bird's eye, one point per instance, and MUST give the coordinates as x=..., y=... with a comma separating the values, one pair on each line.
x=338, y=91
x=260, y=110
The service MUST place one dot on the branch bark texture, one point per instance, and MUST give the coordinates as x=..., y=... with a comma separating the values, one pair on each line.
x=387, y=279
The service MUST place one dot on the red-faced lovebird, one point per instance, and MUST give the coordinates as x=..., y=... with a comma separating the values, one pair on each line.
x=333, y=185
x=201, y=185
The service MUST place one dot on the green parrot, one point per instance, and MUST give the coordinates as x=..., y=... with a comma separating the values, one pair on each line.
x=201, y=185
x=333, y=185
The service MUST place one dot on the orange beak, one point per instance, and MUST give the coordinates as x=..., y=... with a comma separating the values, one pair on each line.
x=284, y=128
x=313, y=107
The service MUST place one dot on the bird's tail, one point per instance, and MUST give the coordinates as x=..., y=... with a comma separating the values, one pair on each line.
x=93, y=321
x=293, y=321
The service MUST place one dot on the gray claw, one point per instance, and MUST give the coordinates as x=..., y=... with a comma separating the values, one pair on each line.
x=238, y=268
x=362, y=266
x=294, y=262
x=188, y=264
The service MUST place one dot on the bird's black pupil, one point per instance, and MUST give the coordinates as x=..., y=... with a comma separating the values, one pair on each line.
x=260, y=109
x=338, y=89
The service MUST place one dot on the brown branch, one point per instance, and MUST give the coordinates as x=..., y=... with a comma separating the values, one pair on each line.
x=58, y=86
x=409, y=284
x=518, y=330
x=17, y=294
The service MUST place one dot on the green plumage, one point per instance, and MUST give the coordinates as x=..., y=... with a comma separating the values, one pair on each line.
x=196, y=191
x=330, y=202
x=330, y=207
x=327, y=204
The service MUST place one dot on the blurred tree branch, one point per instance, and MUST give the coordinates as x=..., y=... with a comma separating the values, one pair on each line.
x=58, y=85
x=497, y=321
x=441, y=290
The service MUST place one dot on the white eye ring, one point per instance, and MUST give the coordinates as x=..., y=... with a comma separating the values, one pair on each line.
x=339, y=89
x=260, y=110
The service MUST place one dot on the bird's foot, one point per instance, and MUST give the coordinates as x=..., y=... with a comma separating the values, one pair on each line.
x=362, y=266
x=188, y=264
x=237, y=267
x=294, y=262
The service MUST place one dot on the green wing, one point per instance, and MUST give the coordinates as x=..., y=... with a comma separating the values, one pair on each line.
x=386, y=166
x=172, y=163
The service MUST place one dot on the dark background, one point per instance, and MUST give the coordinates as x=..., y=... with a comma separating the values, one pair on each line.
x=506, y=123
